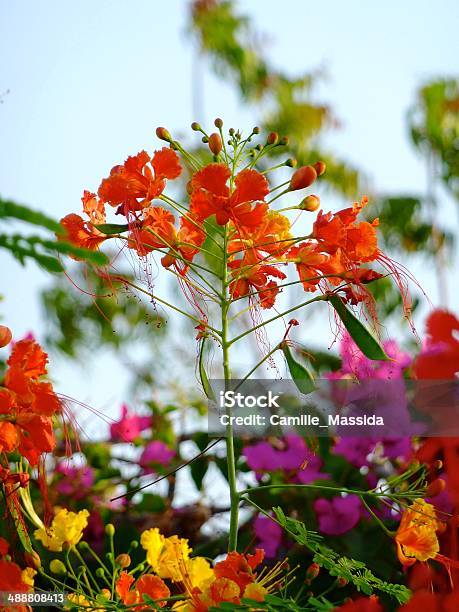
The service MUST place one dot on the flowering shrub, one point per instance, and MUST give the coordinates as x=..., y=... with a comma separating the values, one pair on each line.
x=307, y=504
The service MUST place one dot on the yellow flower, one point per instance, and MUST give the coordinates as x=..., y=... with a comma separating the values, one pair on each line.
x=255, y=591
x=79, y=600
x=27, y=576
x=66, y=528
x=165, y=555
x=416, y=536
x=200, y=573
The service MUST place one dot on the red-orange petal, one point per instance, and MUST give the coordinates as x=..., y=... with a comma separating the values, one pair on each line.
x=166, y=163
x=251, y=186
x=212, y=178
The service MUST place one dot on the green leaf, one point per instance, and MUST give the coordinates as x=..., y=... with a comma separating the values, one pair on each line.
x=198, y=470
x=112, y=228
x=361, y=335
x=203, y=374
x=302, y=376
x=12, y=210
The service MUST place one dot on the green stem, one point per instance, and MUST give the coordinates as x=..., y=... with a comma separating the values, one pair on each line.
x=234, y=495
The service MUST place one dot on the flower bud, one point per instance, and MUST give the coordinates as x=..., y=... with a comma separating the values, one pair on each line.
x=195, y=126
x=32, y=559
x=5, y=335
x=312, y=572
x=100, y=573
x=291, y=162
x=341, y=582
x=106, y=594
x=284, y=141
x=215, y=143
x=310, y=203
x=123, y=560
x=57, y=567
x=163, y=134
x=437, y=464
x=302, y=178
x=256, y=130
x=134, y=544
x=218, y=123
x=205, y=140
x=273, y=138
x=319, y=167
x=435, y=487
x=231, y=131
x=110, y=530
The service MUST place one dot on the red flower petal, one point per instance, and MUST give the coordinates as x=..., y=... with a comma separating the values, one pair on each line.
x=250, y=187
x=166, y=163
x=212, y=178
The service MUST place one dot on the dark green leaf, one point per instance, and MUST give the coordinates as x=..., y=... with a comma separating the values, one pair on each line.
x=112, y=228
x=302, y=377
x=203, y=374
x=361, y=335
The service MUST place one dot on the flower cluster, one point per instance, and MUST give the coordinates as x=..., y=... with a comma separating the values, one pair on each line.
x=27, y=404
x=225, y=193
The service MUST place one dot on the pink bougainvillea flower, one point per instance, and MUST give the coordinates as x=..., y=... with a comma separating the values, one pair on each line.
x=129, y=427
x=77, y=482
x=291, y=455
x=339, y=514
x=269, y=535
x=156, y=453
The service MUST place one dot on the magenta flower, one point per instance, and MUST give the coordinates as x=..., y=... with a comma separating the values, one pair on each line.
x=292, y=455
x=355, y=363
x=77, y=482
x=155, y=453
x=129, y=427
x=269, y=535
x=339, y=514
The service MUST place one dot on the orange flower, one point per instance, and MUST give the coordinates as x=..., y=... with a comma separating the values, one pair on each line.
x=27, y=403
x=140, y=179
x=249, y=275
x=416, y=536
x=358, y=241
x=311, y=264
x=158, y=231
x=210, y=195
x=148, y=584
x=271, y=236
x=239, y=568
x=79, y=232
x=93, y=207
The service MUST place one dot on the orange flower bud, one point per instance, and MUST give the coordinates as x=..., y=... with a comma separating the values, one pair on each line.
x=312, y=572
x=303, y=177
x=341, y=582
x=319, y=167
x=311, y=203
x=215, y=143
x=435, y=487
x=5, y=335
x=123, y=560
x=273, y=138
x=32, y=559
x=163, y=134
